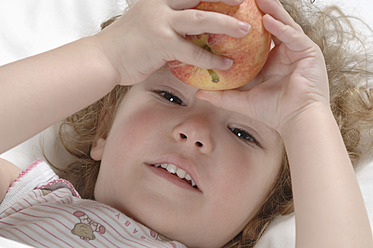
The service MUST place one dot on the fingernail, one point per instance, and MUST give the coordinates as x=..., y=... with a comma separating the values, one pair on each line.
x=228, y=62
x=245, y=27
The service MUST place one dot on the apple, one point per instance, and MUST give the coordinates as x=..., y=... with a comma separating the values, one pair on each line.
x=248, y=53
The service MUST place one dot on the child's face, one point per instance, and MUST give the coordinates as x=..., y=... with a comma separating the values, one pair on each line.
x=160, y=121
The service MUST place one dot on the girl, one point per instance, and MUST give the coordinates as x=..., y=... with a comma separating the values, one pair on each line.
x=207, y=169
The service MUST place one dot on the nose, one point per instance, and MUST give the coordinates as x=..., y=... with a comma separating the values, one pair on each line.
x=195, y=132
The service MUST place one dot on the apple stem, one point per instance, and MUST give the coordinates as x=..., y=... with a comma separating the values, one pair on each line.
x=214, y=76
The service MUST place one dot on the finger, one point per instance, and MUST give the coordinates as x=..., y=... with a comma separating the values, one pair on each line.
x=293, y=39
x=193, y=22
x=192, y=54
x=187, y=4
x=275, y=9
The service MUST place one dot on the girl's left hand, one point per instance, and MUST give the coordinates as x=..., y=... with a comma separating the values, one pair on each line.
x=293, y=80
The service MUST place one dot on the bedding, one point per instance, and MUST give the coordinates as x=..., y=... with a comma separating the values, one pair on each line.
x=29, y=27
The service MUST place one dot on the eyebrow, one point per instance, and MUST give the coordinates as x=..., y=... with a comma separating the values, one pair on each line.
x=263, y=131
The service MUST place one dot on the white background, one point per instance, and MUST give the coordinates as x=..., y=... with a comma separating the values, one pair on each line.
x=32, y=26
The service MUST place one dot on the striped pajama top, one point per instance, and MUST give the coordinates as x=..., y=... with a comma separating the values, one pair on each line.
x=42, y=210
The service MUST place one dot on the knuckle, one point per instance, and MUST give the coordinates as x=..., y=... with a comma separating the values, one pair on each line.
x=289, y=31
x=298, y=27
x=200, y=17
x=199, y=54
x=166, y=36
x=286, y=29
x=164, y=33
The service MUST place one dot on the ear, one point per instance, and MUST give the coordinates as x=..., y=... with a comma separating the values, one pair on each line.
x=97, y=149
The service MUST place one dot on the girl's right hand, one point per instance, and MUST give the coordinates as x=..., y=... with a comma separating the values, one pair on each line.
x=151, y=33
x=292, y=84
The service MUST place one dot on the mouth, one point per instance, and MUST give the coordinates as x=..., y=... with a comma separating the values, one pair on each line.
x=177, y=172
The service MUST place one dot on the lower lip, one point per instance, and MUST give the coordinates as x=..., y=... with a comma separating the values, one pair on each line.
x=172, y=178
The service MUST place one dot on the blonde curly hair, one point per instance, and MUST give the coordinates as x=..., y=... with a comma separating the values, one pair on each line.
x=351, y=94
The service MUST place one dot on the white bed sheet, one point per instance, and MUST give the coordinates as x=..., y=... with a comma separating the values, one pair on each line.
x=29, y=27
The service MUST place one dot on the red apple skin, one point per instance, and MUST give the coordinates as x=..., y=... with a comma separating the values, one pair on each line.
x=248, y=53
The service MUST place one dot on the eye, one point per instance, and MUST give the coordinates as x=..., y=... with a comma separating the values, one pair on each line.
x=245, y=136
x=169, y=96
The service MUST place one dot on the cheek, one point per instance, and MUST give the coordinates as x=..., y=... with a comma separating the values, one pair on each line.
x=238, y=192
x=248, y=178
x=130, y=139
x=134, y=131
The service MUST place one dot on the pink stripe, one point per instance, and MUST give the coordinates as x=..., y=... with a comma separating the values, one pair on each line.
x=68, y=212
x=12, y=208
x=29, y=237
x=88, y=210
x=6, y=223
x=107, y=208
x=45, y=217
x=58, y=196
x=40, y=196
x=62, y=209
x=64, y=198
x=45, y=238
x=107, y=224
x=10, y=234
x=20, y=205
x=52, y=234
x=56, y=220
x=100, y=243
x=27, y=202
x=104, y=237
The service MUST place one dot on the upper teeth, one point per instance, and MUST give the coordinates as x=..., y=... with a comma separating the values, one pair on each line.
x=179, y=172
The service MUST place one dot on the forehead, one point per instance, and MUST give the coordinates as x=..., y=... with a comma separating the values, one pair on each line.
x=168, y=78
x=164, y=78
